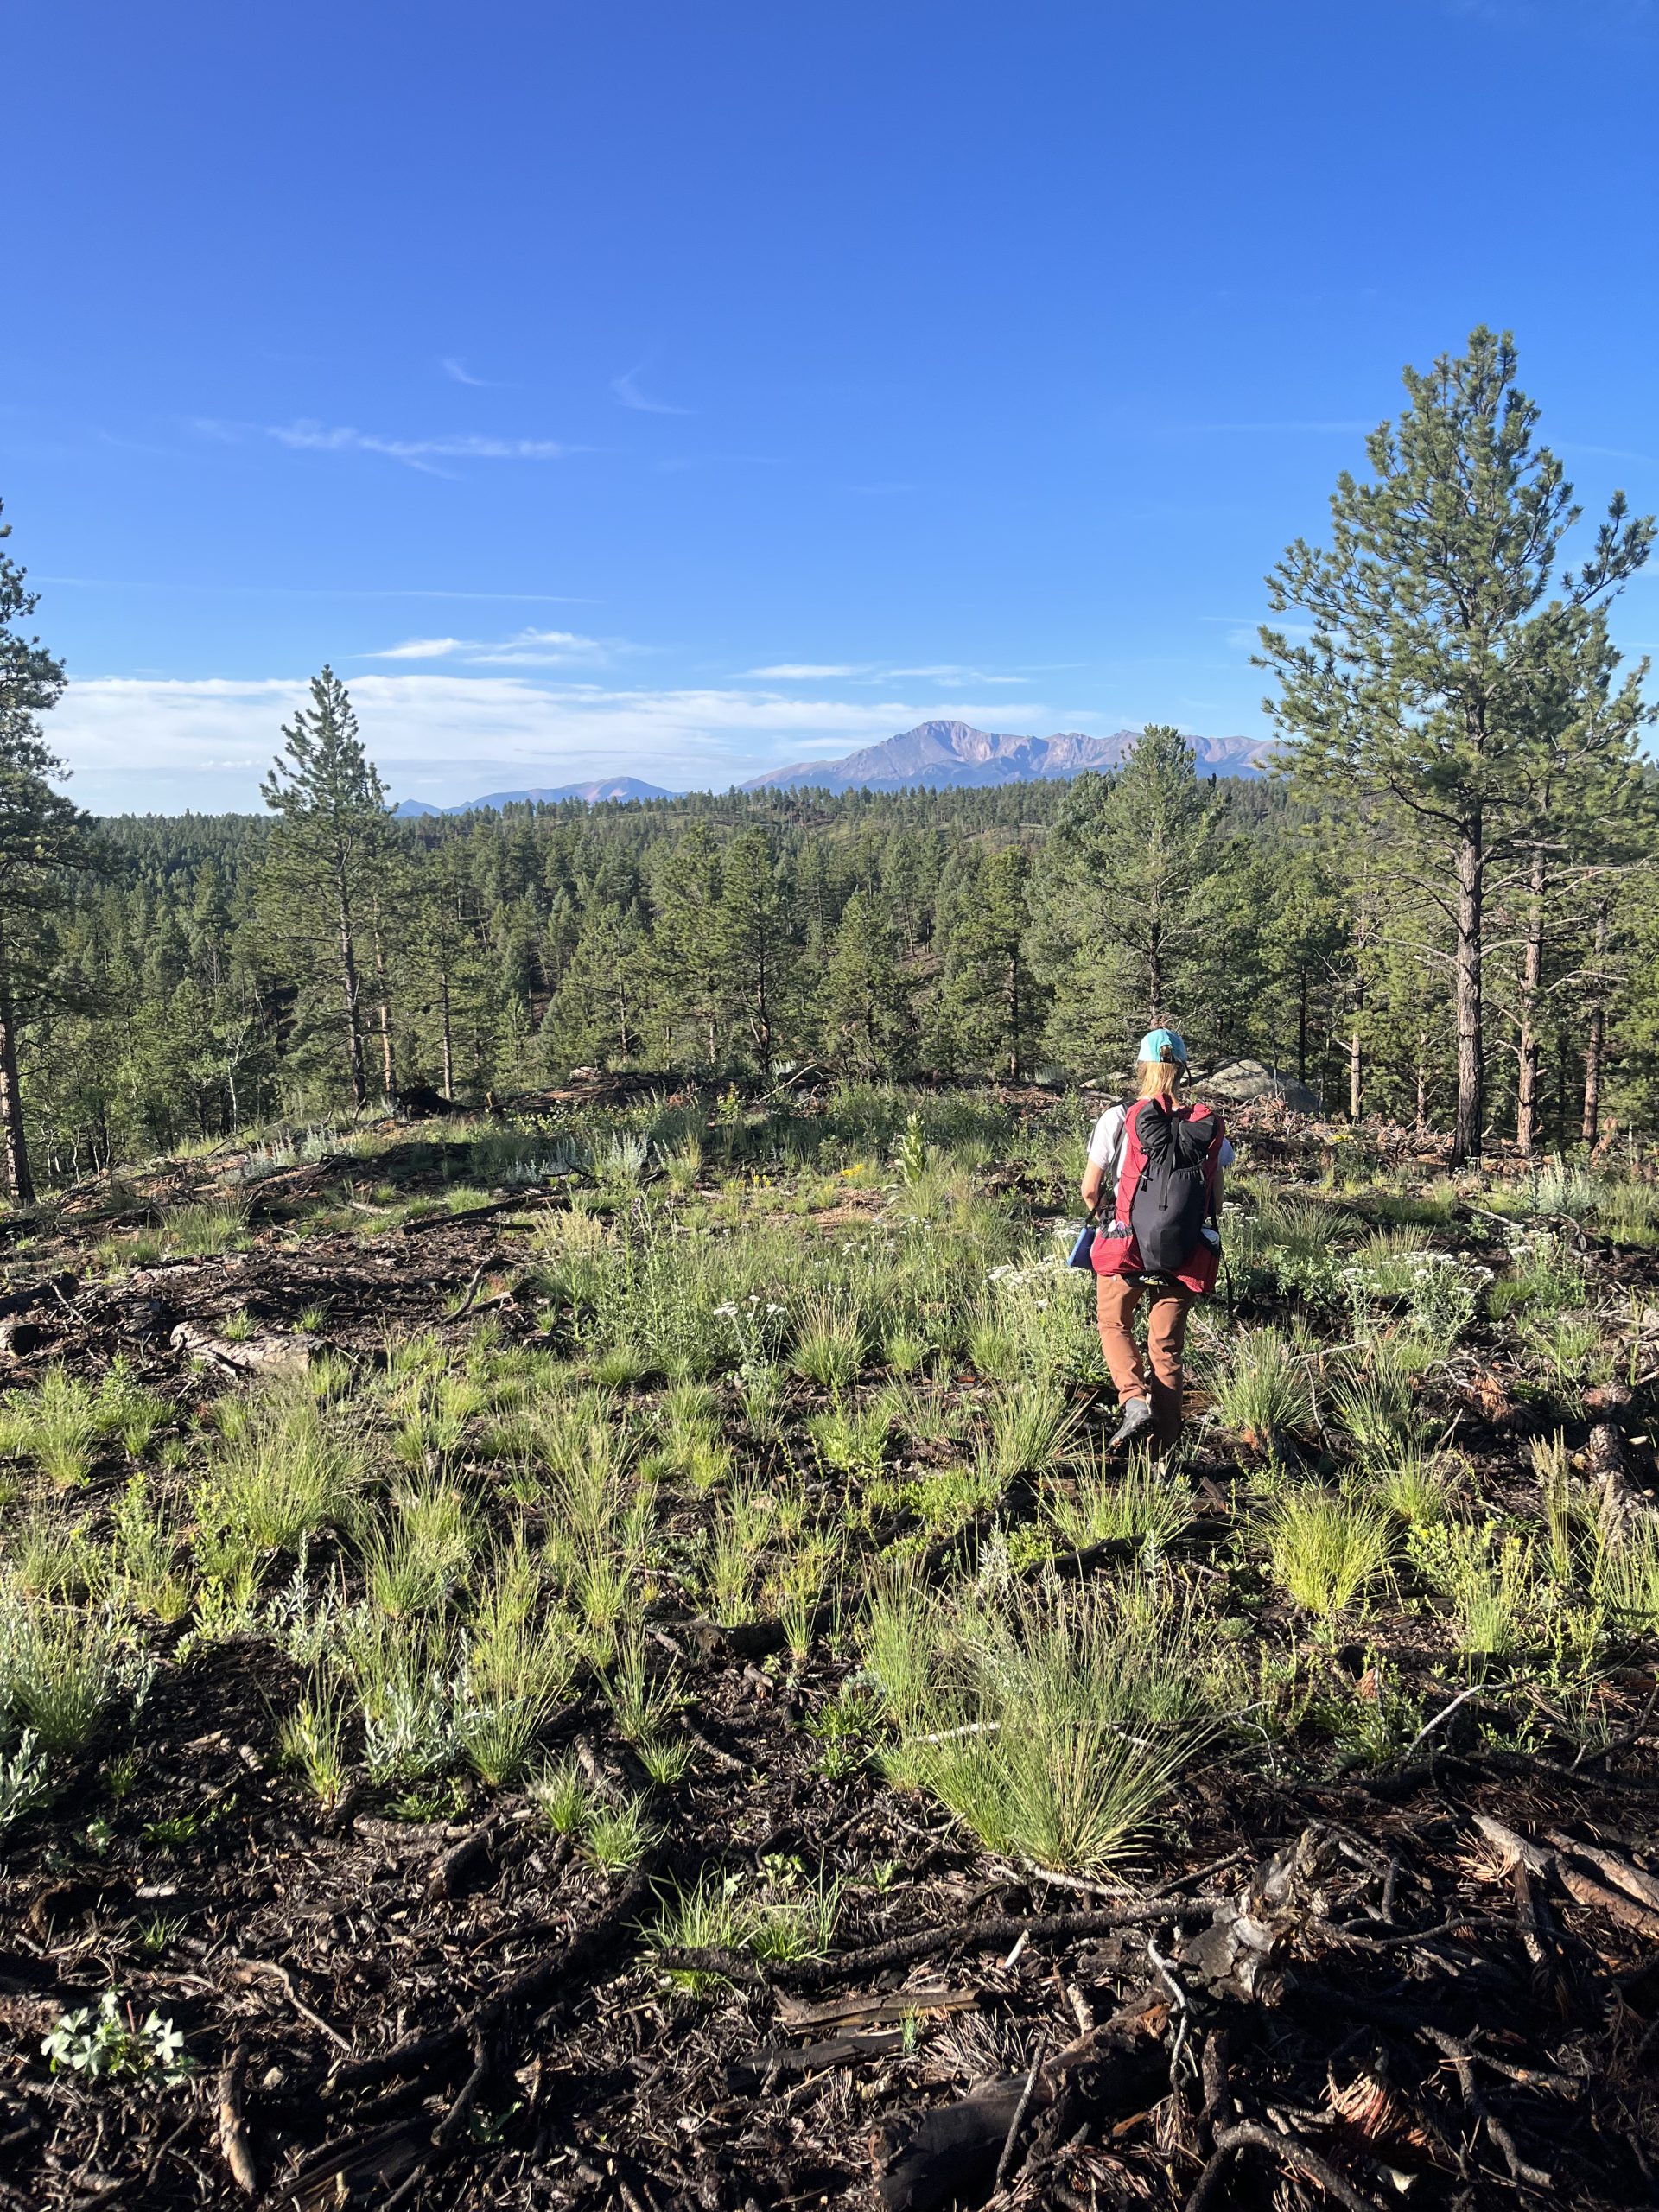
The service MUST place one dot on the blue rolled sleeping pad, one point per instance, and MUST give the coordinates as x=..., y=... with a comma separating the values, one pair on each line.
x=1082, y=1249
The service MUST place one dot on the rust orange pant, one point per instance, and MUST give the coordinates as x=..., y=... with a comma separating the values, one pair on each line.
x=1115, y=1299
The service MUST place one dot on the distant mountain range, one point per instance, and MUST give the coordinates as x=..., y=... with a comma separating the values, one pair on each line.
x=936, y=756
x=602, y=787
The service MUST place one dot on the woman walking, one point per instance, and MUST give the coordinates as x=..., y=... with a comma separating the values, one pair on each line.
x=1154, y=1174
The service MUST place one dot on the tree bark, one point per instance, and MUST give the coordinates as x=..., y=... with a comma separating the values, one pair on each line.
x=349, y=986
x=19, y=1182
x=1595, y=1034
x=1532, y=969
x=1301, y=1025
x=1470, y=864
x=388, y=1059
x=1356, y=1072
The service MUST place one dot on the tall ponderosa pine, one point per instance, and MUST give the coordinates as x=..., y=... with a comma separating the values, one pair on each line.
x=1127, y=898
x=43, y=839
x=1441, y=682
x=326, y=846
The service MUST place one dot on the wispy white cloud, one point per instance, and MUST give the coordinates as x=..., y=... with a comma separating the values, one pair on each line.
x=804, y=672
x=953, y=672
x=421, y=649
x=458, y=372
x=625, y=390
x=529, y=649
x=306, y=437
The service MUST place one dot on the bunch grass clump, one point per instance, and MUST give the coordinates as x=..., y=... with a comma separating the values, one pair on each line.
x=1325, y=1549
x=1262, y=1392
x=1051, y=1722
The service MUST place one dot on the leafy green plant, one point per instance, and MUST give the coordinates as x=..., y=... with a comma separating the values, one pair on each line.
x=911, y=1158
x=59, y=1666
x=23, y=1779
x=110, y=2043
x=1486, y=1575
x=852, y=1440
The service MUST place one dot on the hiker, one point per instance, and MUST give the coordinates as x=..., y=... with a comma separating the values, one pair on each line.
x=1154, y=1177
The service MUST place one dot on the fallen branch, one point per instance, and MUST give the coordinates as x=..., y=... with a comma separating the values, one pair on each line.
x=245, y=1969
x=1292, y=2151
x=977, y=1934
x=1463, y=2059
x=232, y=2127
x=1019, y=2112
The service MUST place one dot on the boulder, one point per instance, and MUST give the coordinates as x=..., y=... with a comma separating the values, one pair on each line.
x=1239, y=1083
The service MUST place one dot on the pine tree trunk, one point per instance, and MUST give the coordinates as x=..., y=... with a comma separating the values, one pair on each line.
x=349, y=987
x=1014, y=1016
x=1595, y=1035
x=1532, y=969
x=1466, y=1131
x=1156, y=974
x=449, y=1035
x=1355, y=1074
x=388, y=1065
x=20, y=1184
x=1423, y=1083
x=1301, y=1025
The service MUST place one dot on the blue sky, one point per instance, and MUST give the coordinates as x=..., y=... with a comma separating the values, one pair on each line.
x=681, y=391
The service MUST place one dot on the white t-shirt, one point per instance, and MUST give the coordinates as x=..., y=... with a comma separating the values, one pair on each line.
x=1106, y=1147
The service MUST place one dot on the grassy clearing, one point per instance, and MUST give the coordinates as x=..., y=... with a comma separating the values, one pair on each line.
x=816, y=1386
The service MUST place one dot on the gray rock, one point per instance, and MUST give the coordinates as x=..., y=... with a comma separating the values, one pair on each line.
x=1237, y=1083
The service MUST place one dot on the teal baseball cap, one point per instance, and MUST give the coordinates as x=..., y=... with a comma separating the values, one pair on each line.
x=1161, y=1043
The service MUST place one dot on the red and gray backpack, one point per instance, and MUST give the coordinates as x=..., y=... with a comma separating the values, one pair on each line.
x=1166, y=1196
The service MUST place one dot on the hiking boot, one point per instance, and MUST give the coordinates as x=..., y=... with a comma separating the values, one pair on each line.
x=1137, y=1417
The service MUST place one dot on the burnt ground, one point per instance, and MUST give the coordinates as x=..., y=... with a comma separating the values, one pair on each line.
x=1432, y=1979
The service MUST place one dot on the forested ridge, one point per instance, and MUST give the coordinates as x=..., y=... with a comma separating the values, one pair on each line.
x=932, y=932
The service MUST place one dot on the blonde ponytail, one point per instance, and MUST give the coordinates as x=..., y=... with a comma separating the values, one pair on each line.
x=1158, y=1078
